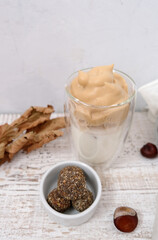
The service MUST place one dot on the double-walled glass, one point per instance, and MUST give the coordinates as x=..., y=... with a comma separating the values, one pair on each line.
x=99, y=132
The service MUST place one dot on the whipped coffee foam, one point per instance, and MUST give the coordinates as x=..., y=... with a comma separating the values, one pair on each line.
x=100, y=87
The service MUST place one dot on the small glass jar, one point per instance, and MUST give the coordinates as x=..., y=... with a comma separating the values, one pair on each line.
x=99, y=132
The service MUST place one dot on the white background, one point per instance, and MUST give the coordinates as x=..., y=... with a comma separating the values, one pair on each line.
x=43, y=41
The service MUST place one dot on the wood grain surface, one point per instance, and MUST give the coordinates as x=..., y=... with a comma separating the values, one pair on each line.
x=132, y=181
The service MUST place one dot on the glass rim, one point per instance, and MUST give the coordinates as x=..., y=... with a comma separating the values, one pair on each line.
x=128, y=100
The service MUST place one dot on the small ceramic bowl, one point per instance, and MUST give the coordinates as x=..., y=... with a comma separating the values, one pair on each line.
x=71, y=217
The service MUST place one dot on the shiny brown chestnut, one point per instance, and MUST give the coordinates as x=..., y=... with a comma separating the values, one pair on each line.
x=125, y=219
x=149, y=150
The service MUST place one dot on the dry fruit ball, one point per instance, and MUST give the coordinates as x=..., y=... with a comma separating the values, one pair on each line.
x=84, y=202
x=71, y=182
x=57, y=202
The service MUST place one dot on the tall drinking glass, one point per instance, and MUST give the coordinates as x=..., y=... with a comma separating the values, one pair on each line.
x=99, y=132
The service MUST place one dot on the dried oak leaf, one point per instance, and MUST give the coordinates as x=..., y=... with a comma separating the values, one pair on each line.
x=45, y=133
x=32, y=117
x=18, y=144
x=52, y=124
x=42, y=138
x=2, y=150
x=29, y=132
x=7, y=133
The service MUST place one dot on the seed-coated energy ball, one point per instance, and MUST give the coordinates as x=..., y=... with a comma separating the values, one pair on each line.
x=71, y=182
x=57, y=202
x=85, y=202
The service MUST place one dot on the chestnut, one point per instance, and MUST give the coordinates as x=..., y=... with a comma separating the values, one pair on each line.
x=125, y=219
x=149, y=150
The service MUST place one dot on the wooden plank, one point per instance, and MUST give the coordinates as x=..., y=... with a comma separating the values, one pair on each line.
x=132, y=181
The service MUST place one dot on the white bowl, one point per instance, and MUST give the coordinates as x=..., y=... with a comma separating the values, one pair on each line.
x=70, y=217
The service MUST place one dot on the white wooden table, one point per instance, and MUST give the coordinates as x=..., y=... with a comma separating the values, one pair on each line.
x=132, y=181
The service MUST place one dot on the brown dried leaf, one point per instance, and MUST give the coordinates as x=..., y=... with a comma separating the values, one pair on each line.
x=7, y=133
x=2, y=150
x=3, y=129
x=46, y=132
x=41, y=138
x=39, y=130
x=32, y=117
x=18, y=144
x=53, y=124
